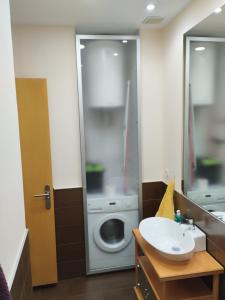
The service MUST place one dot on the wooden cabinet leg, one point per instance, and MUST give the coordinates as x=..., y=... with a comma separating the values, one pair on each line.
x=137, y=253
x=164, y=291
x=215, y=287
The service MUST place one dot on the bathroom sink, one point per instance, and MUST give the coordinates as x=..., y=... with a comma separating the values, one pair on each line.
x=169, y=238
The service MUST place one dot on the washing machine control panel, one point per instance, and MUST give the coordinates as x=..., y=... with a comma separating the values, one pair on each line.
x=112, y=204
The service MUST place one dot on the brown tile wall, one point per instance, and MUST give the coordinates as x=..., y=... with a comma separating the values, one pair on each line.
x=70, y=227
x=214, y=229
x=22, y=284
x=152, y=193
x=70, y=234
x=69, y=222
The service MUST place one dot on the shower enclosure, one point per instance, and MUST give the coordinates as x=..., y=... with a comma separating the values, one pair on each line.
x=109, y=122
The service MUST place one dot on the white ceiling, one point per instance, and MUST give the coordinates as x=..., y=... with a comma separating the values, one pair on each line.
x=213, y=26
x=94, y=16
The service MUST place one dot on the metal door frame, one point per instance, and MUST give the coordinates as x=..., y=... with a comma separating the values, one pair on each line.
x=82, y=139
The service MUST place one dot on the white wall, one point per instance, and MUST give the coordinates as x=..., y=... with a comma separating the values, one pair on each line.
x=12, y=225
x=49, y=52
x=152, y=104
x=173, y=78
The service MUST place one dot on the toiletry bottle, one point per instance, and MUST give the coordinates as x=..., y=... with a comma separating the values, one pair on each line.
x=178, y=217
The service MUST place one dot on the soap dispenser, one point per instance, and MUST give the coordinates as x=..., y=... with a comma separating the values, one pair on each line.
x=178, y=217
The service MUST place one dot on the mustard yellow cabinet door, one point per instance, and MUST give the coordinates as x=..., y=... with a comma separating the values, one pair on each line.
x=32, y=103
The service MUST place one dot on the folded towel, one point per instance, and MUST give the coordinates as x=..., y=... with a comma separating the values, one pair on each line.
x=166, y=208
x=4, y=291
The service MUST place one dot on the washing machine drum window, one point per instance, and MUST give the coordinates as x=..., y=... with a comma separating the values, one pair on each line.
x=113, y=233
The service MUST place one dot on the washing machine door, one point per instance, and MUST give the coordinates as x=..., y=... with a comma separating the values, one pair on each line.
x=113, y=233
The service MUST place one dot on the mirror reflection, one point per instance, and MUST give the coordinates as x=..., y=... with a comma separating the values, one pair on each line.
x=204, y=130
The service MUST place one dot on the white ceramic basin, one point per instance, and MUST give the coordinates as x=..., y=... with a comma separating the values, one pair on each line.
x=168, y=238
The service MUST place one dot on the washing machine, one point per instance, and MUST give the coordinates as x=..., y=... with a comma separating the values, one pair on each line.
x=210, y=196
x=110, y=239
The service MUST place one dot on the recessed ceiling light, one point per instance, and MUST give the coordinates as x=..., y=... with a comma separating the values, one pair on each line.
x=218, y=10
x=150, y=7
x=200, y=49
x=82, y=47
x=115, y=54
x=124, y=41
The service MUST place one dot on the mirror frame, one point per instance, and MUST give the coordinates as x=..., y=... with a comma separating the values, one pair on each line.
x=188, y=40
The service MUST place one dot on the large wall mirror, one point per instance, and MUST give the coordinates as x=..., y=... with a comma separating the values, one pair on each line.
x=204, y=127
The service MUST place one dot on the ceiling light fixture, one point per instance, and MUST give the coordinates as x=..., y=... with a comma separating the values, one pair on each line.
x=115, y=54
x=218, y=10
x=82, y=47
x=124, y=41
x=150, y=7
x=200, y=49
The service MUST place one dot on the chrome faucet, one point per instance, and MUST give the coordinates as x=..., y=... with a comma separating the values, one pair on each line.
x=190, y=222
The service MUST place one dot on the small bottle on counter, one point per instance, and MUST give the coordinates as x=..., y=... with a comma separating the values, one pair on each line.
x=178, y=217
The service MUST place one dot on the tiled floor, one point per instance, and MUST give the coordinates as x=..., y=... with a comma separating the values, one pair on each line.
x=112, y=286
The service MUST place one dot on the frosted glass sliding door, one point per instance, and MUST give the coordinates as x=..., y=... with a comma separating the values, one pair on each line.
x=110, y=115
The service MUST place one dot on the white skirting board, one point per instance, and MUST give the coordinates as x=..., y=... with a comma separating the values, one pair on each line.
x=17, y=259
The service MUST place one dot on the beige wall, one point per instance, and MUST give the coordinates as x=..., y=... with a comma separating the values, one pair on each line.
x=49, y=52
x=161, y=92
x=12, y=221
x=173, y=79
x=152, y=104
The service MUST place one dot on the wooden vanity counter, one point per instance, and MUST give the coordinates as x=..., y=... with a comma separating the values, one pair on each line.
x=162, y=279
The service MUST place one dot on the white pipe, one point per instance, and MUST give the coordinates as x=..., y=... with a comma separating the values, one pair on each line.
x=125, y=136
